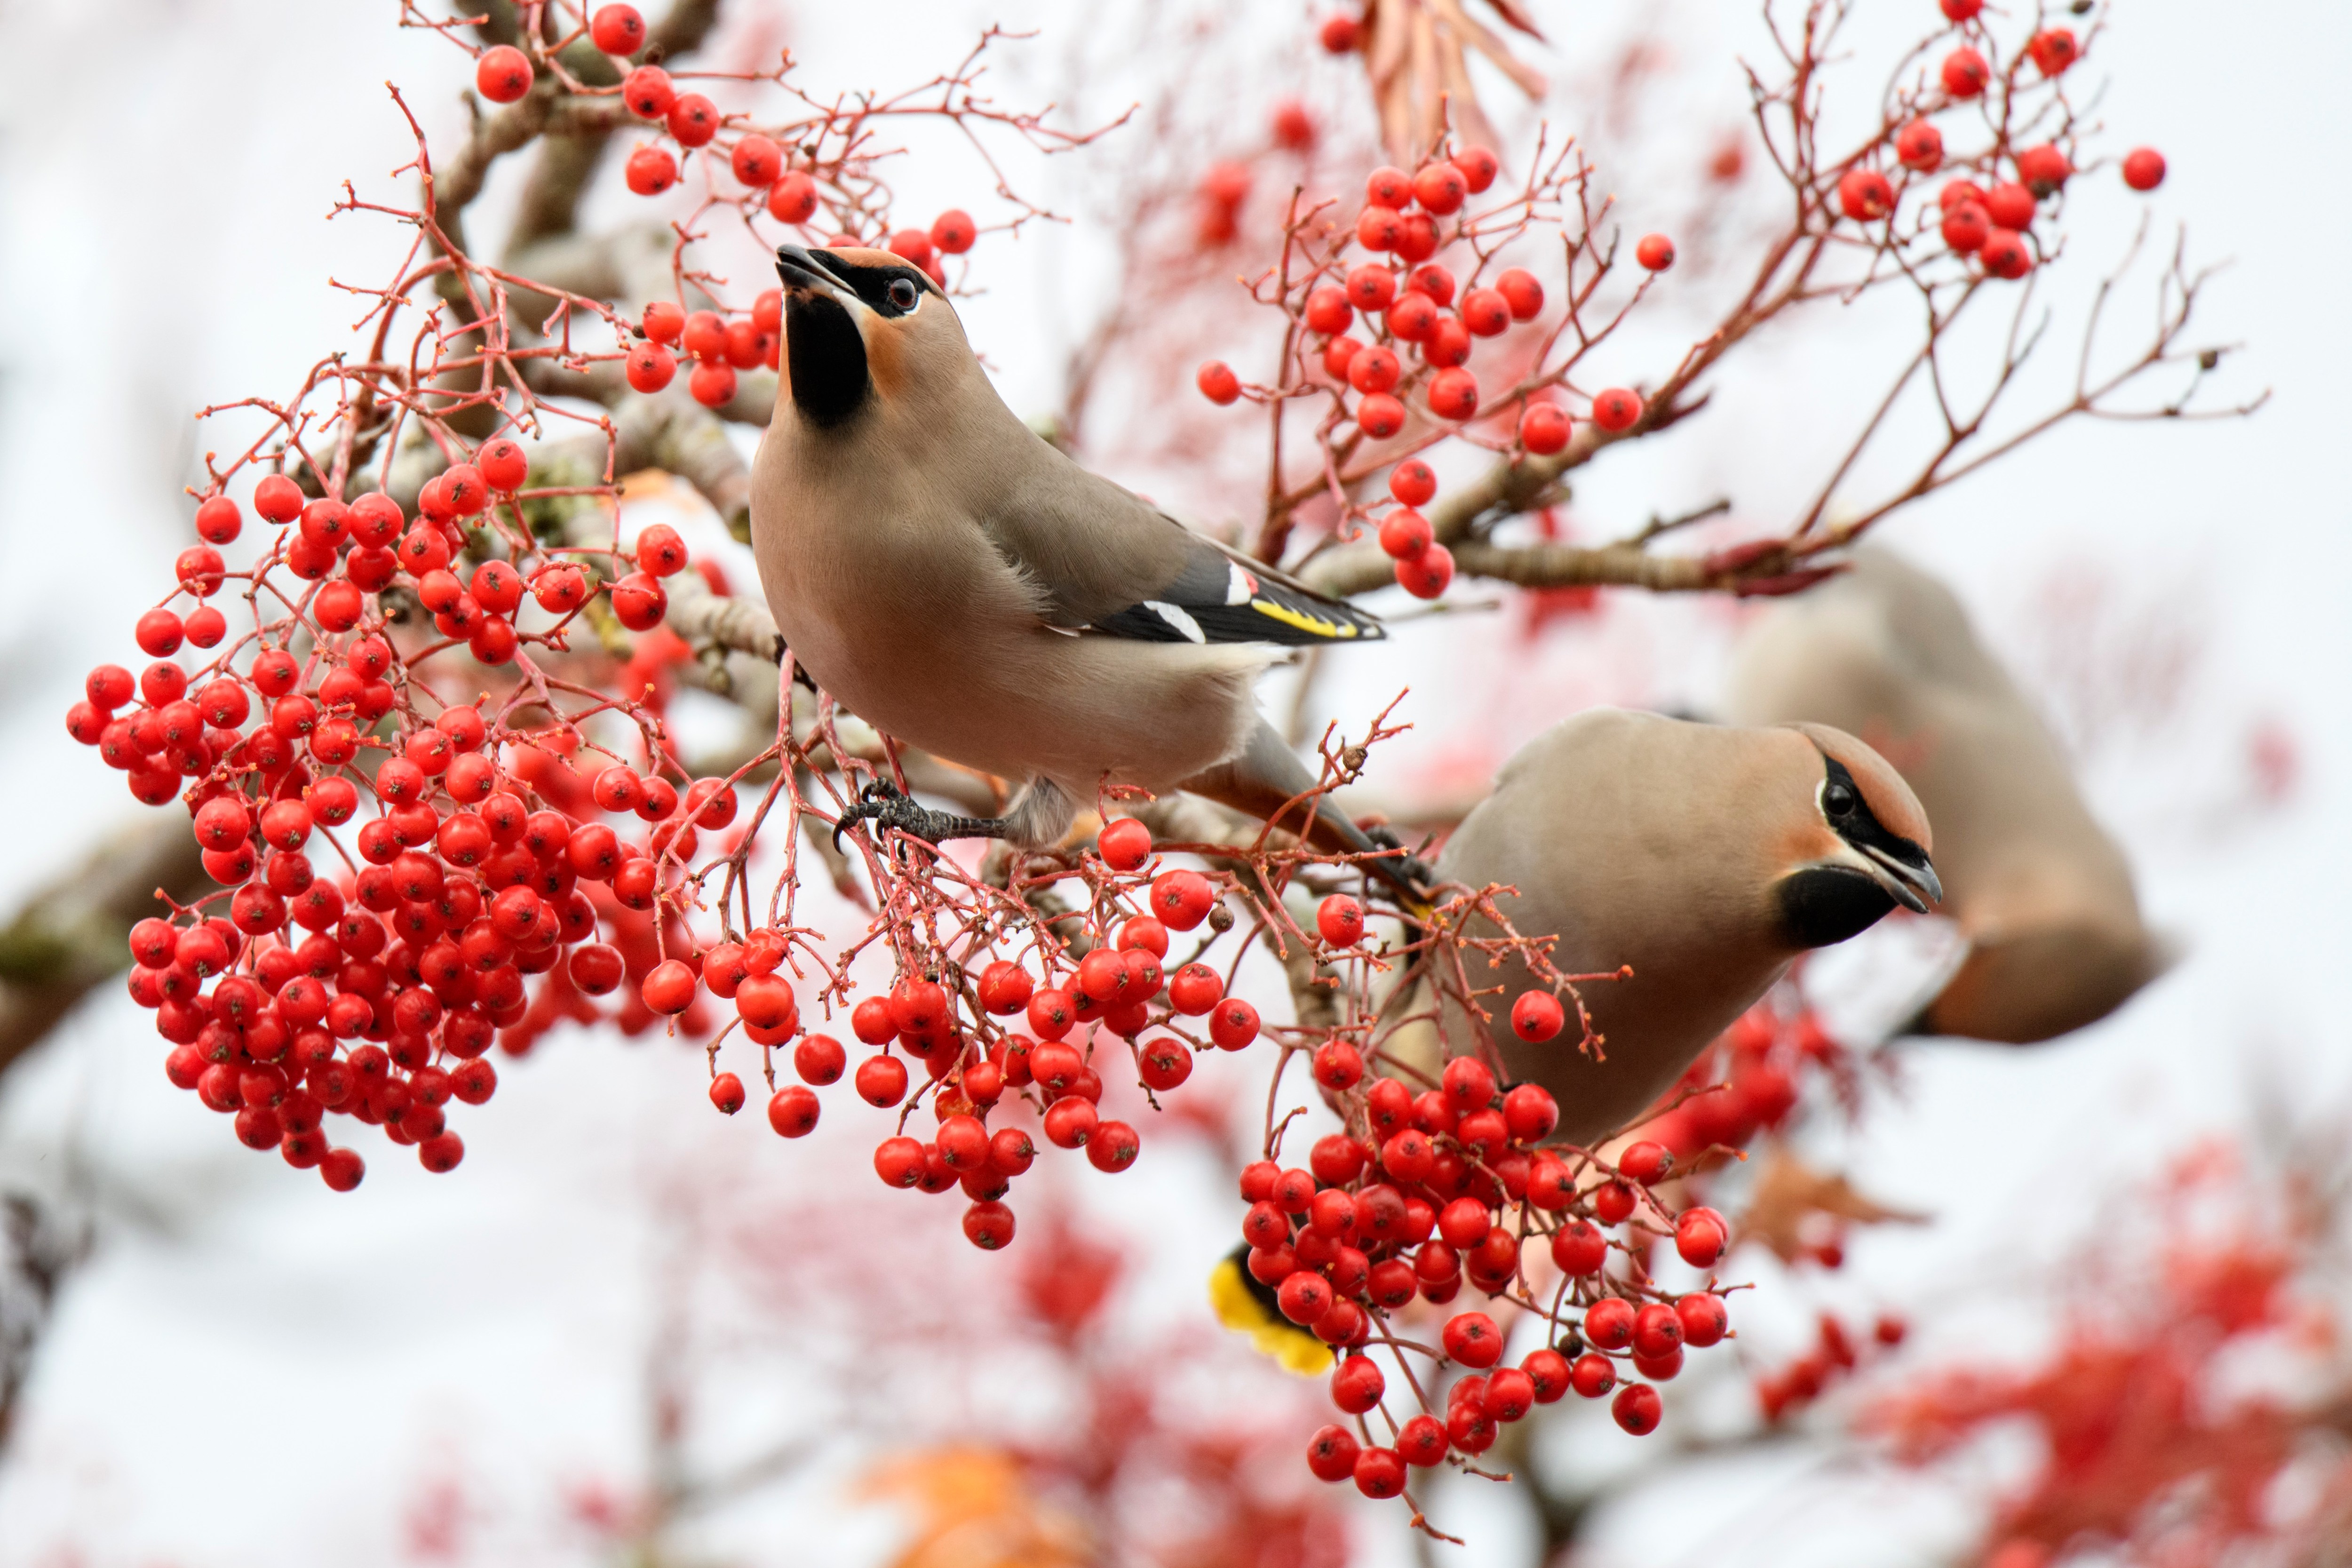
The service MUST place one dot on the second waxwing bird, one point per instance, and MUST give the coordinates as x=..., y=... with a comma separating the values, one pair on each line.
x=961, y=585
x=2043, y=894
x=1705, y=857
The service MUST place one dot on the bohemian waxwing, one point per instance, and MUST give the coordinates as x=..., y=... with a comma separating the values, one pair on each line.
x=957, y=582
x=2041, y=893
x=1706, y=858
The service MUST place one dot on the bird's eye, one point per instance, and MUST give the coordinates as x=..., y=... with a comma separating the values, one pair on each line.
x=903, y=294
x=1838, y=800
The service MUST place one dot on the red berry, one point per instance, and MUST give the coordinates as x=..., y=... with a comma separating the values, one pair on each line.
x=726, y=1091
x=1636, y=1408
x=1655, y=252
x=713, y=386
x=2005, y=254
x=1511, y=1395
x=650, y=367
x=617, y=30
x=1233, y=1024
x=1070, y=1122
x=651, y=171
x=669, y=990
x=1617, y=409
x=1340, y=919
x=1521, y=291
x=1414, y=316
x=1537, y=1016
x=1428, y=574
x=1454, y=394
x=693, y=120
x=1378, y=414
x=1965, y=73
x=1331, y=1453
x=1405, y=533
x=1478, y=168
x=1609, y=1323
x=881, y=1081
x=988, y=1225
x=503, y=464
x=1370, y=287
x=899, y=1161
x=1645, y=1162
x=792, y=199
x=2054, y=49
x=1440, y=188
x=218, y=522
x=1471, y=1339
x=792, y=1112
x=1704, y=1321
x=2044, y=169
x=1592, y=1376
x=1966, y=227
x=1125, y=844
x=2010, y=206
x=1380, y=1472
x=1614, y=1202
x=1217, y=382
x=1183, y=899
x=1328, y=311
x=1194, y=989
x=1657, y=1331
x=1412, y=481
x=1485, y=313
x=2143, y=171
x=756, y=161
x=503, y=73
x=1960, y=10
x=278, y=498
x=1375, y=369
x=1920, y=146
x=1865, y=195
x=1700, y=1237
x=1544, y=428
x=647, y=92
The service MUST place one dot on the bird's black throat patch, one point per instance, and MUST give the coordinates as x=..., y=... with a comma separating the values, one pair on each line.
x=1821, y=905
x=827, y=358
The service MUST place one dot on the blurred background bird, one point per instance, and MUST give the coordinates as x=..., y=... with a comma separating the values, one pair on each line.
x=1705, y=857
x=959, y=583
x=2043, y=894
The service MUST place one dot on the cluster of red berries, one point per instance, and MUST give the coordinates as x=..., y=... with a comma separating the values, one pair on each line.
x=459, y=860
x=974, y=1068
x=719, y=346
x=1833, y=1355
x=1993, y=222
x=1747, y=1082
x=1412, y=1199
x=1411, y=300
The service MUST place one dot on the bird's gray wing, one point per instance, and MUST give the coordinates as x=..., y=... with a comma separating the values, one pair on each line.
x=1106, y=561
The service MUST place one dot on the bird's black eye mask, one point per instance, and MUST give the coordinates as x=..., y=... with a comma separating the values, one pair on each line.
x=890, y=291
x=1850, y=818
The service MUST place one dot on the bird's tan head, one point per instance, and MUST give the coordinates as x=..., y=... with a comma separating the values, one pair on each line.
x=865, y=332
x=1864, y=848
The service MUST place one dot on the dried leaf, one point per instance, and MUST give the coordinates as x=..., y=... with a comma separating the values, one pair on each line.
x=1788, y=1193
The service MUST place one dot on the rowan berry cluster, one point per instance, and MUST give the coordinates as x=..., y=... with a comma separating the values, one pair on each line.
x=1424, y=1190
x=1987, y=213
x=398, y=866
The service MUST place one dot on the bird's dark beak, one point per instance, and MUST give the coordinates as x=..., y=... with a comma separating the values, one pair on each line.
x=1914, y=885
x=803, y=273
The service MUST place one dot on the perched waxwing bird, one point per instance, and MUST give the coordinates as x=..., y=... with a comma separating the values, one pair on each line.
x=957, y=582
x=2041, y=893
x=1705, y=857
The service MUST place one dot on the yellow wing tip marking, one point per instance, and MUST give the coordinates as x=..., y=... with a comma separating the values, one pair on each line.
x=1316, y=625
x=1287, y=1345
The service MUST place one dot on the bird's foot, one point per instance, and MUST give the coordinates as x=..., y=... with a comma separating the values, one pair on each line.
x=885, y=805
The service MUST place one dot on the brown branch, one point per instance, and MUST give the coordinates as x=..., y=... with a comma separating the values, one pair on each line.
x=73, y=934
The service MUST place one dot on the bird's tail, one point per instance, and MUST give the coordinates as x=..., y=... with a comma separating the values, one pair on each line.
x=1267, y=775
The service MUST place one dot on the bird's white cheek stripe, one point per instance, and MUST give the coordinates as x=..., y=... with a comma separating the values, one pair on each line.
x=1240, y=586
x=1176, y=617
